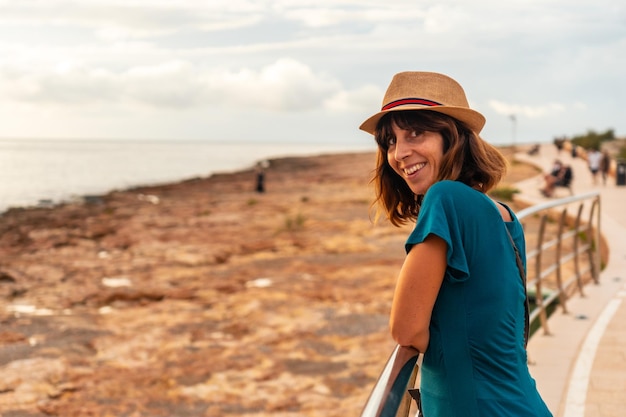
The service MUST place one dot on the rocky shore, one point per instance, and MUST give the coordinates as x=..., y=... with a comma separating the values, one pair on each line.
x=202, y=298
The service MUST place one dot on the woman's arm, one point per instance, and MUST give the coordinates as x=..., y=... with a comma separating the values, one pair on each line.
x=416, y=291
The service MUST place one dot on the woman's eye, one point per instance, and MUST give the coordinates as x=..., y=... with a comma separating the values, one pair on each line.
x=391, y=141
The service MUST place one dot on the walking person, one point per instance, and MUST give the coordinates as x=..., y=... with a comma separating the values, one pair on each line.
x=460, y=296
x=605, y=166
x=594, y=159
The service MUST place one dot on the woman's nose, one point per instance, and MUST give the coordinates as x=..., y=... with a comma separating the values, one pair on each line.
x=402, y=150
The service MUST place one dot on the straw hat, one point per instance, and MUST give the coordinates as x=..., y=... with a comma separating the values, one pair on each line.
x=426, y=91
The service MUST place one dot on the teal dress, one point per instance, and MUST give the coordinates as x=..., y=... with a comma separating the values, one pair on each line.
x=475, y=364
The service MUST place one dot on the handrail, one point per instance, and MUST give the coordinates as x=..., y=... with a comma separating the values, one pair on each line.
x=581, y=230
x=390, y=398
x=555, y=203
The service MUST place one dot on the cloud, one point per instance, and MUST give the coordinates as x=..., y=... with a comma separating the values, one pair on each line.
x=532, y=112
x=130, y=62
x=285, y=85
x=334, y=14
x=69, y=84
x=365, y=98
x=114, y=19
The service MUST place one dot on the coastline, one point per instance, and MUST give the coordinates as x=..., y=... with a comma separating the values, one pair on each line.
x=184, y=298
x=47, y=172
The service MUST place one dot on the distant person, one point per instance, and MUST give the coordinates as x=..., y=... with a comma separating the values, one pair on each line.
x=558, y=142
x=260, y=182
x=605, y=166
x=460, y=296
x=560, y=175
x=594, y=160
x=574, y=151
x=260, y=176
x=534, y=150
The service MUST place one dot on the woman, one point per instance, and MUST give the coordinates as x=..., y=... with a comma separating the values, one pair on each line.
x=460, y=298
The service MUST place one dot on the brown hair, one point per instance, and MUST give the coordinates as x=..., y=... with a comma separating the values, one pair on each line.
x=466, y=158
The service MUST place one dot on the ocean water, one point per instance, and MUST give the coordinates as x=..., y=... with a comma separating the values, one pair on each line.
x=46, y=171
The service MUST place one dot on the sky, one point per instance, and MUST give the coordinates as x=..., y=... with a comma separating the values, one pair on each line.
x=303, y=70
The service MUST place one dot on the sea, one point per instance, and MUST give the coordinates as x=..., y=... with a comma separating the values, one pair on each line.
x=44, y=172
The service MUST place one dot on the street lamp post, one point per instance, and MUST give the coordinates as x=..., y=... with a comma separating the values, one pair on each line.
x=513, y=123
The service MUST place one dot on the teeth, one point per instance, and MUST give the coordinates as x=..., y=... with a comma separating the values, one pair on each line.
x=414, y=168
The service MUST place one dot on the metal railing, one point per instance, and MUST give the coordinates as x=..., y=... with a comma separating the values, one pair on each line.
x=560, y=239
x=390, y=397
x=561, y=251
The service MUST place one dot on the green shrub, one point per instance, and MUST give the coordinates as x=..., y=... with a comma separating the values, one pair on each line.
x=592, y=139
x=504, y=193
x=293, y=223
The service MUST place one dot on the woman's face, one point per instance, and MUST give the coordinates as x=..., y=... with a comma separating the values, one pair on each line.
x=416, y=157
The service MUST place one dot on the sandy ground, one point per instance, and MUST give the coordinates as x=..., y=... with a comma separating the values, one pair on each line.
x=202, y=298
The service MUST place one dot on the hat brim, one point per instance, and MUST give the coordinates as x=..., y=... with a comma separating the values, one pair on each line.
x=473, y=119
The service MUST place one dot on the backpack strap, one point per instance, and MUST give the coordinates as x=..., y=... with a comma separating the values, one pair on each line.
x=522, y=273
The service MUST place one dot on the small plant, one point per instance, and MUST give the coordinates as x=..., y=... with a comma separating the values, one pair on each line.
x=253, y=202
x=294, y=223
x=504, y=193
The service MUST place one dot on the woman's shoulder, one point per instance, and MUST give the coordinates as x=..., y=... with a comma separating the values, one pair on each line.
x=459, y=197
x=451, y=190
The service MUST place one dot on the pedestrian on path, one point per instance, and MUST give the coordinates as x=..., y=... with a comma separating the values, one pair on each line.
x=605, y=166
x=460, y=296
x=594, y=160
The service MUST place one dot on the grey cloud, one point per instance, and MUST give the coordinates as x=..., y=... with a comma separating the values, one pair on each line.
x=286, y=85
x=312, y=58
x=139, y=19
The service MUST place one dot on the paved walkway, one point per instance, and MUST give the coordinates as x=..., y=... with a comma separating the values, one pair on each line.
x=580, y=368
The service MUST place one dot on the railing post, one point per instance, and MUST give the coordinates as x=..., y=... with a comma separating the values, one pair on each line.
x=594, y=248
x=579, y=282
x=559, y=278
x=598, y=239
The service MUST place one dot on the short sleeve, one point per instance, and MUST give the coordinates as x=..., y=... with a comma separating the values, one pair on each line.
x=439, y=215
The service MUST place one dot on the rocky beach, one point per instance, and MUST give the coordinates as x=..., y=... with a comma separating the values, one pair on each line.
x=203, y=297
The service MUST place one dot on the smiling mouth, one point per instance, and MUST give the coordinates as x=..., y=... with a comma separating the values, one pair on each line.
x=414, y=168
